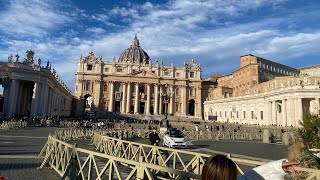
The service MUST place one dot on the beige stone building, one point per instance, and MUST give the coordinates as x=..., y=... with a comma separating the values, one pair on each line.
x=134, y=84
x=313, y=70
x=263, y=92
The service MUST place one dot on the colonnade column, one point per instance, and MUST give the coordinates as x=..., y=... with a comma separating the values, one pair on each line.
x=128, y=98
x=299, y=111
x=44, y=99
x=160, y=101
x=265, y=113
x=171, y=100
x=136, y=99
x=317, y=110
x=12, y=97
x=290, y=112
x=111, y=98
x=274, y=112
x=156, y=99
x=124, y=97
x=6, y=92
x=54, y=103
x=284, y=112
x=148, y=99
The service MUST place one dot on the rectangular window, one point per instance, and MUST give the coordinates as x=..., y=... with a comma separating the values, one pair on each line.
x=178, y=75
x=261, y=115
x=153, y=72
x=230, y=114
x=106, y=69
x=244, y=115
x=133, y=70
x=237, y=114
x=252, y=115
x=89, y=67
x=192, y=74
x=87, y=87
x=119, y=70
x=166, y=73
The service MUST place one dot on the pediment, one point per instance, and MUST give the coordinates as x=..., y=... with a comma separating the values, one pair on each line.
x=144, y=73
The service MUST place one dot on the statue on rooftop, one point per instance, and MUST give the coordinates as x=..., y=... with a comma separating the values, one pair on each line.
x=29, y=55
x=16, y=57
x=39, y=61
x=10, y=58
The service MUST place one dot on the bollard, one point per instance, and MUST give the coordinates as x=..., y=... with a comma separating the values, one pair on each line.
x=286, y=138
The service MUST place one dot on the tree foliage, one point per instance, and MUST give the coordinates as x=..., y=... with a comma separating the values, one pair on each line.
x=310, y=133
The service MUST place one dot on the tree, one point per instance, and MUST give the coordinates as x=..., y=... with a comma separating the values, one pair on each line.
x=310, y=133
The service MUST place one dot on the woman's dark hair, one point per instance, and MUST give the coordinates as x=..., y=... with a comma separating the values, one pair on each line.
x=219, y=167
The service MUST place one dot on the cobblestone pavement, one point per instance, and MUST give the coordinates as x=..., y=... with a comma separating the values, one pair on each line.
x=18, y=151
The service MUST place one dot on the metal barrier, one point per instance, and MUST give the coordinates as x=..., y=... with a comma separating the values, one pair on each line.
x=13, y=124
x=125, y=159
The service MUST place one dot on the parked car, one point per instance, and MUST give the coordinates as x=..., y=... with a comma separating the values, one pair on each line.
x=174, y=138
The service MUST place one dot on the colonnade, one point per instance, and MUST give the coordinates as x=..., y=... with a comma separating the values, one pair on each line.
x=28, y=98
x=282, y=111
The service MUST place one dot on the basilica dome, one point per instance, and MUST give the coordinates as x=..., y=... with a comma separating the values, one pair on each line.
x=134, y=53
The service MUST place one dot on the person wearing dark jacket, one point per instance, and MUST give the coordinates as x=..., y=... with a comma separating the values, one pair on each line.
x=154, y=138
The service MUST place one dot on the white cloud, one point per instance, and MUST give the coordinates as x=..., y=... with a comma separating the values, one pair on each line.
x=179, y=30
x=31, y=18
x=96, y=30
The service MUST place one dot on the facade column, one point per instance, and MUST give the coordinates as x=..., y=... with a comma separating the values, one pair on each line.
x=284, y=112
x=160, y=101
x=184, y=100
x=136, y=99
x=299, y=111
x=111, y=98
x=156, y=99
x=148, y=99
x=171, y=103
x=12, y=104
x=128, y=98
x=124, y=98
x=97, y=93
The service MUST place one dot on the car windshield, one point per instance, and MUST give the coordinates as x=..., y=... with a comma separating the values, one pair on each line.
x=176, y=133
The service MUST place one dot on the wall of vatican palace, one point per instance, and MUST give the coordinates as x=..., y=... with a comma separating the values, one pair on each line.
x=134, y=84
x=282, y=100
x=31, y=90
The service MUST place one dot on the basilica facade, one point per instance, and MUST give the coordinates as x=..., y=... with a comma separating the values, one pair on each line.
x=134, y=84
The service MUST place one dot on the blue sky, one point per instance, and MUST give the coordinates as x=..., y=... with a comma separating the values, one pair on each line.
x=215, y=32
